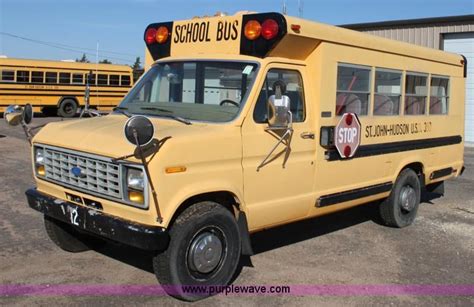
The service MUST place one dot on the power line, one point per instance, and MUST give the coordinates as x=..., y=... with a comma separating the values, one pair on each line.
x=70, y=48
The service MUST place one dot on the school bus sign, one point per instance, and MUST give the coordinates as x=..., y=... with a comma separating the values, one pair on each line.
x=348, y=135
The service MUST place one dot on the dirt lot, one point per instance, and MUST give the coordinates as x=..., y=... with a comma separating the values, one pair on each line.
x=349, y=248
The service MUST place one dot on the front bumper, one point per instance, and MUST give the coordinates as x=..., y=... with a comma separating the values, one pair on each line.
x=99, y=223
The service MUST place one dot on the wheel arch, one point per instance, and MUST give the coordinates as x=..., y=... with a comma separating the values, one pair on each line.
x=418, y=168
x=228, y=200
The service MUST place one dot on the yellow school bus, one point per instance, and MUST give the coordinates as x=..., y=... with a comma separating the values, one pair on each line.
x=248, y=122
x=58, y=87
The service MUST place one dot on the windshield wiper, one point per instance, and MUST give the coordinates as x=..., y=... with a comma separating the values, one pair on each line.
x=177, y=118
x=156, y=109
x=122, y=110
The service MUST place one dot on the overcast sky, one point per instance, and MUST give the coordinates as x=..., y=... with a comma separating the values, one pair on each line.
x=118, y=25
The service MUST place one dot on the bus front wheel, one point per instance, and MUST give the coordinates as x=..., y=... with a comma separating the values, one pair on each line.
x=67, y=108
x=204, y=251
x=400, y=208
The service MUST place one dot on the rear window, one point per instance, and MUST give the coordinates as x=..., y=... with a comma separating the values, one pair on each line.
x=125, y=80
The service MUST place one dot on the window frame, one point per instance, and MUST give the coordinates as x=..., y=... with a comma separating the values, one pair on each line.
x=29, y=76
x=303, y=94
x=370, y=83
x=375, y=92
x=10, y=71
x=82, y=78
x=405, y=94
x=37, y=71
x=448, y=95
x=46, y=77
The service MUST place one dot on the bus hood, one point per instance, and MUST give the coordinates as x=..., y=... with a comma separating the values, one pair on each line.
x=105, y=135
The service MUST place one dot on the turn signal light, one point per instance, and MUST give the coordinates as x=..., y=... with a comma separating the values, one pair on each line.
x=136, y=196
x=150, y=36
x=40, y=170
x=253, y=30
x=269, y=29
x=162, y=34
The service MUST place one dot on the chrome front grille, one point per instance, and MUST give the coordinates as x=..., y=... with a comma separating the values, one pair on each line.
x=97, y=175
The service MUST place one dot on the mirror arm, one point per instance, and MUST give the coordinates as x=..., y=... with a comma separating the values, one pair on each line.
x=287, y=135
x=27, y=131
x=159, y=218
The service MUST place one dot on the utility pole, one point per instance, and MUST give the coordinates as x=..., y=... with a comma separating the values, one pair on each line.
x=300, y=8
x=284, y=9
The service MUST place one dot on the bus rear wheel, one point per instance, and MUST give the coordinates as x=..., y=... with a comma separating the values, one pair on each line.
x=400, y=208
x=67, y=108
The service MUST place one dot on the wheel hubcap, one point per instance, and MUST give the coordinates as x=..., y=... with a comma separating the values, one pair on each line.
x=408, y=198
x=205, y=252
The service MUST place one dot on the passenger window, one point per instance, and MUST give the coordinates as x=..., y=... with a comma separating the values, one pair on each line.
x=387, y=92
x=439, y=98
x=51, y=77
x=91, y=78
x=125, y=80
x=114, y=80
x=64, y=78
x=294, y=90
x=353, y=90
x=23, y=76
x=77, y=78
x=415, y=94
x=102, y=79
x=8, y=75
x=37, y=77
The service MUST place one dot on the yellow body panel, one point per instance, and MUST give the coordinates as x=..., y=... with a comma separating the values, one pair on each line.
x=224, y=157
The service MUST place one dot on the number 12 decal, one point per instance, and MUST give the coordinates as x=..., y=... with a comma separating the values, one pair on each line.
x=74, y=216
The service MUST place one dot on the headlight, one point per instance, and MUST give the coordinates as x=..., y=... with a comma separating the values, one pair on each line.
x=135, y=179
x=136, y=185
x=39, y=161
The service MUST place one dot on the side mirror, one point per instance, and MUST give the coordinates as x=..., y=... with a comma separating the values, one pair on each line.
x=279, y=114
x=139, y=130
x=13, y=115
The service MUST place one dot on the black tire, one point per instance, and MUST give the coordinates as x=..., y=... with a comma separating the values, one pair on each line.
x=67, y=108
x=176, y=266
x=400, y=208
x=69, y=239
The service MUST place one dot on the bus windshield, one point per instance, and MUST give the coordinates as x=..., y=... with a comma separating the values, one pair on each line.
x=211, y=91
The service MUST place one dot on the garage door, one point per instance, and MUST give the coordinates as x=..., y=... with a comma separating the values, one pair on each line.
x=463, y=43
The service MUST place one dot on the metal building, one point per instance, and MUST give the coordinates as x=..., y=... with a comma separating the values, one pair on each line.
x=453, y=34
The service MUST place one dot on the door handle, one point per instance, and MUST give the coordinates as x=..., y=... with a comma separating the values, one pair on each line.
x=307, y=135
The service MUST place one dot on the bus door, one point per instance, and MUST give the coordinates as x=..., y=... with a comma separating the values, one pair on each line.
x=278, y=185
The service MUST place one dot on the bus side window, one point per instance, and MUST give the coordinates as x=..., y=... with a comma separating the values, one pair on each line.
x=51, y=77
x=114, y=80
x=416, y=92
x=102, y=79
x=8, y=75
x=37, y=77
x=294, y=90
x=125, y=80
x=64, y=78
x=77, y=78
x=388, y=91
x=439, y=97
x=23, y=76
x=353, y=89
